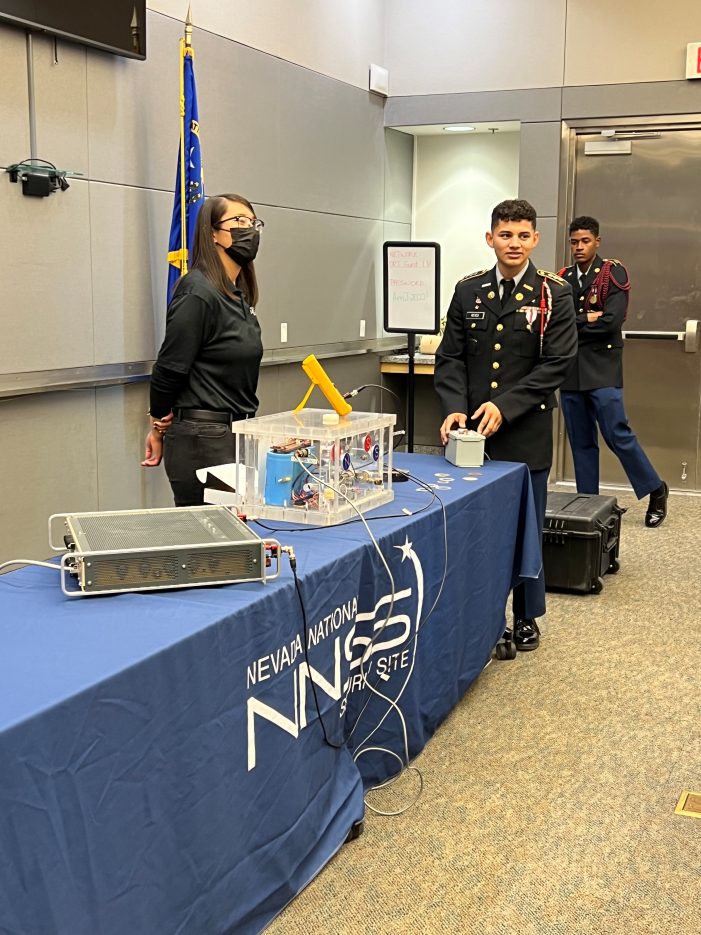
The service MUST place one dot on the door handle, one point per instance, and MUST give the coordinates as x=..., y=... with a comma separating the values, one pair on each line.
x=653, y=335
x=690, y=336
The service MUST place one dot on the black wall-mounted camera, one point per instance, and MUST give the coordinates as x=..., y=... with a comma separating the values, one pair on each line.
x=39, y=178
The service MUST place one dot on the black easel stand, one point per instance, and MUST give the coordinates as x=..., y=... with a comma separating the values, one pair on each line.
x=411, y=348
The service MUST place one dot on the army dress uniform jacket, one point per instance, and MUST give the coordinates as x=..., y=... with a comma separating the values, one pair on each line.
x=490, y=354
x=600, y=357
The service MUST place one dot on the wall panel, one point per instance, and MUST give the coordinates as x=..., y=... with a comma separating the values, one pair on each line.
x=14, y=139
x=335, y=39
x=536, y=104
x=239, y=102
x=626, y=42
x=62, y=103
x=624, y=100
x=46, y=312
x=122, y=423
x=133, y=113
x=129, y=242
x=48, y=462
x=545, y=256
x=539, y=175
x=399, y=169
x=447, y=47
x=317, y=273
x=332, y=145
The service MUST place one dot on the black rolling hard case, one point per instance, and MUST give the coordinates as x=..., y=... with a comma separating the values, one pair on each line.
x=581, y=539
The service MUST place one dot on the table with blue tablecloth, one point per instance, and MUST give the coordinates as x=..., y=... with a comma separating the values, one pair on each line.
x=184, y=762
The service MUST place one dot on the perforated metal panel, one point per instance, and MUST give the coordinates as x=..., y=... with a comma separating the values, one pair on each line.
x=145, y=549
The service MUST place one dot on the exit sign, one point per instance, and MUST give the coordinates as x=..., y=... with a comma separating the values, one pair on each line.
x=693, y=60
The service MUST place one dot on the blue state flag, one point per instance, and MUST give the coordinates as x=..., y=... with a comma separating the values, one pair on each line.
x=189, y=181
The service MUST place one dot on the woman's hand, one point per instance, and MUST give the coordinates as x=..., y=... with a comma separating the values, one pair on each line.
x=162, y=423
x=154, y=449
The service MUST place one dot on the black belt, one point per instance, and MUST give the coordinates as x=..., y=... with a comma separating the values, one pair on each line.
x=207, y=415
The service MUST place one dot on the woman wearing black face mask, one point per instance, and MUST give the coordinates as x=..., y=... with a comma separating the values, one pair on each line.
x=206, y=373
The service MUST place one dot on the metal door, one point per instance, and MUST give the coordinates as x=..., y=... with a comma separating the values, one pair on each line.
x=642, y=185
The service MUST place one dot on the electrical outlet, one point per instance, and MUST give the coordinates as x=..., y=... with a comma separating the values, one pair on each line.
x=283, y=332
x=362, y=327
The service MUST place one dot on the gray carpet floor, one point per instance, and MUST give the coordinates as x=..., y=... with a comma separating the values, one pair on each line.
x=549, y=793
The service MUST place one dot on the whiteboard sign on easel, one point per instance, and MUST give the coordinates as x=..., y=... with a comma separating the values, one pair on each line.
x=412, y=282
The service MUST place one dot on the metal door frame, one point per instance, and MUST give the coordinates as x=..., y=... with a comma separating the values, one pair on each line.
x=570, y=130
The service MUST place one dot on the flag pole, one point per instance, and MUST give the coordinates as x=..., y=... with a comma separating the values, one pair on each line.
x=185, y=49
x=188, y=28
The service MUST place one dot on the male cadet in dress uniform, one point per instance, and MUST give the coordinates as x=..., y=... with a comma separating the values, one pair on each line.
x=593, y=390
x=510, y=338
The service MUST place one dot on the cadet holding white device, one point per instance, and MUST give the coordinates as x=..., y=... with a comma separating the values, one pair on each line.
x=509, y=341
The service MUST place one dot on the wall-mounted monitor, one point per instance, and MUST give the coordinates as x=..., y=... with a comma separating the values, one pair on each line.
x=117, y=26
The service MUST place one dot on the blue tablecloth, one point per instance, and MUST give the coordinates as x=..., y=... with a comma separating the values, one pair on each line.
x=162, y=765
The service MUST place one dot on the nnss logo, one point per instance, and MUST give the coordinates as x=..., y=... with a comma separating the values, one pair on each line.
x=374, y=646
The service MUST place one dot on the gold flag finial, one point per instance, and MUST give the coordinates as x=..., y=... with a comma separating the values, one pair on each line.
x=188, y=27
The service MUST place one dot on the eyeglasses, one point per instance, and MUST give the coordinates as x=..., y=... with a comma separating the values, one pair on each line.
x=242, y=221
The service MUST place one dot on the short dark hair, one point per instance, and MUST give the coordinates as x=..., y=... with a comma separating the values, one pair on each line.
x=204, y=254
x=585, y=223
x=513, y=209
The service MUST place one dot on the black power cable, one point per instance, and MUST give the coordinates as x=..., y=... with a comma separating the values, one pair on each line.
x=298, y=589
x=378, y=386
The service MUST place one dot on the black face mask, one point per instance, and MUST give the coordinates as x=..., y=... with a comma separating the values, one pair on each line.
x=245, y=245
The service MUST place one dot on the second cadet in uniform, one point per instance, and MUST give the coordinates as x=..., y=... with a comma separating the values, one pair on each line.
x=509, y=341
x=593, y=391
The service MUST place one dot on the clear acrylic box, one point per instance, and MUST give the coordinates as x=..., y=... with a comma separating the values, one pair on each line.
x=295, y=468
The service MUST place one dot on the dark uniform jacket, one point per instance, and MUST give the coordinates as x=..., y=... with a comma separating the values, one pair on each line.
x=600, y=357
x=490, y=354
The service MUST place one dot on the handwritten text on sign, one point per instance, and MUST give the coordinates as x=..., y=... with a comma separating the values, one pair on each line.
x=411, y=287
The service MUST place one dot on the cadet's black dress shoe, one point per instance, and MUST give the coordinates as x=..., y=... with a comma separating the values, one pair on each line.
x=526, y=635
x=657, y=507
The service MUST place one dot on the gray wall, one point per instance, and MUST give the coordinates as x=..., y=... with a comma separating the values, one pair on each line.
x=544, y=113
x=456, y=46
x=540, y=63
x=84, y=270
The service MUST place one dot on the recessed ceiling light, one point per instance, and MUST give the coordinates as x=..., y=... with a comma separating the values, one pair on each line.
x=459, y=128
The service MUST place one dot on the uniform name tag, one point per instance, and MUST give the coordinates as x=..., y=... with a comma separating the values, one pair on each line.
x=471, y=316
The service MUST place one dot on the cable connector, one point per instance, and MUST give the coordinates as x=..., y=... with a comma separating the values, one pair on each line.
x=351, y=393
x=272, y=550
x=290, y=553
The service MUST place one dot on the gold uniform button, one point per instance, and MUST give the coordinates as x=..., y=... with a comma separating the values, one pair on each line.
x=497, y=347
x=494, y=384
x=542, y=405
x=495, y=365
x=597, y=269
x=609, y=346
x=500, y=327
x=473, y=325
